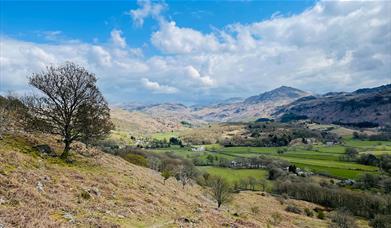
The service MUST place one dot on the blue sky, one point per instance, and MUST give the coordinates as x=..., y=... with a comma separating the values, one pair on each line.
x=199, y=51
x=91, y=21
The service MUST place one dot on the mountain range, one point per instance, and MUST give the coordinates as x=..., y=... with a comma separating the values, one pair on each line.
x=371, y=105
x=366, y=107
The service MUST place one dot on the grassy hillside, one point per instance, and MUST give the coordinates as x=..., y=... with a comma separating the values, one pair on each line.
x=102, y=190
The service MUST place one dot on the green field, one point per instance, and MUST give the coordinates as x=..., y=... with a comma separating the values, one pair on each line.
x=318, y=158
x=234, y=174
x=164, y=135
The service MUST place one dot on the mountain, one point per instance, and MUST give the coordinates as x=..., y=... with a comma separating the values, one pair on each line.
x=171, y=116
x=103, y=190
x=262, y=105
x=281, y=93
x=363, y=107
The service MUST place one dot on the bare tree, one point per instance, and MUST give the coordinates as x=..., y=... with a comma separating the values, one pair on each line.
x=220, y=190
x=185, y=173
x=70, y=104
x=13, y=114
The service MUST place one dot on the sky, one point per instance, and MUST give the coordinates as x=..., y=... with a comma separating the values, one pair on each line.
x=196, y=52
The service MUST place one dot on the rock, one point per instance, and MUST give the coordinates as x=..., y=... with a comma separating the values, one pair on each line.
x=40, y=186
x=198, y=210
x=2, y=201
x=69, y=217
x=45, y=149
x=69, y=160
x=94, y=191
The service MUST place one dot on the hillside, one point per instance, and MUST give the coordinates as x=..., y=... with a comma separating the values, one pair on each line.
x=262, y=105
x=140, y=123
x=168, y=116
x=98, y=189
x=364, y=105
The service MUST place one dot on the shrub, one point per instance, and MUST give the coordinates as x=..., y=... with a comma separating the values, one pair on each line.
x=358, y=203
x=136, y=159
x=351, y=152
x=293, y=209
x=381, y=221
x=309, y=212
x=342, y=219
x=275, y=219
x=275, y=173
x=320, y=215
x=254, y=209
x=85, y=195
x=166, y=174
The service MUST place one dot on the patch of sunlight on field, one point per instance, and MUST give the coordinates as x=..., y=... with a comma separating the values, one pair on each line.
x=234, y=174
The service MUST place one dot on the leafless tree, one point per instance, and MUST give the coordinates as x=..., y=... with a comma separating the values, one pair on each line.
x=185, y=173
x=70, y=104
x=220, y=190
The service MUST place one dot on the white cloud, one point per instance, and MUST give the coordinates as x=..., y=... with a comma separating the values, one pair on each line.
x=172, y=39
x=195, y=74
x=117, y=39
x=156, y=87
x=147, y=9
x=329, y=47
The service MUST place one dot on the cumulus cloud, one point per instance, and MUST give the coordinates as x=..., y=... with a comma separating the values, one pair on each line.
x=172, y=39
x=195, y=74
x=330, y=47
x=156, y=87
x=147, y=9
x=117, y=39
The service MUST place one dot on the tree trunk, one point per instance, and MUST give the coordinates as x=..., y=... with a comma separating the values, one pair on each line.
x=67, y=147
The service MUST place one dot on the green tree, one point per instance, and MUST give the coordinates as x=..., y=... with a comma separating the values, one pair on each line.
x=210, y=159
x=166, y=174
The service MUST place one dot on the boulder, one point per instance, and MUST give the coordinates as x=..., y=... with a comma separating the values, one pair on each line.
x=45, y=149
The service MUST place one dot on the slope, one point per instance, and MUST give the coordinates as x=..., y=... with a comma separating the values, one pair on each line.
x=102, y=190
x=362, y=106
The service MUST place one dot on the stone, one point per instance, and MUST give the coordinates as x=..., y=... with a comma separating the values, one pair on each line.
x=45, y=149
x=40, y=186
x=69, y=217
x=94, y=191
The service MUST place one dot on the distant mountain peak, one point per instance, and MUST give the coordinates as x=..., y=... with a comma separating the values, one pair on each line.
x=280, y=93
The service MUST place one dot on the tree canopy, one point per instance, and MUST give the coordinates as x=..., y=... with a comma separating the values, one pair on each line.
x=70, y=104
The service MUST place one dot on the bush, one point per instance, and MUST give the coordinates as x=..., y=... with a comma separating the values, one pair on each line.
x=136, y=159
x=358, y=203
x=275, y=173
x=320, y=215
x=293, y=209
x=309, y=212
x=275, y=219
x=342, y=219
x=254, y=209
x=381, y=221
x=85, y=195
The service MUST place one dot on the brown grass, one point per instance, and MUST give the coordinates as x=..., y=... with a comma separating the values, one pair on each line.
x=120, y=194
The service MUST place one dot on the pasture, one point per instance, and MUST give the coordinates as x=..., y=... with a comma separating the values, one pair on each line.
x=319, y=159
